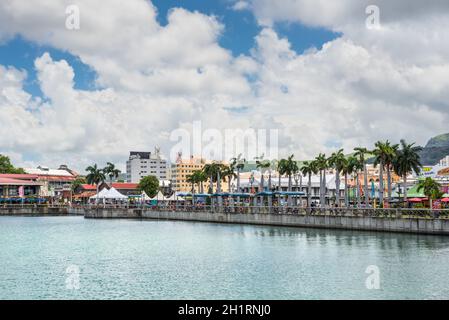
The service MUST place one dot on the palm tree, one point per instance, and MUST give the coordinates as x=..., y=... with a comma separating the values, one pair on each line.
x=197, y=177
x=289, y=167
x=111, y=171
x=338, y=161
x=322, y=164
x=77, y=182
x=262, y=165
x=349, y=166
x=279, y=167
x=192, y=179
x=354, y=166
x=407, y=160
x=308, y=168
x=432, y=189
x=389, y=160
x=229, y=174
x=383, y=153
x=239, y=164
x=211, y=171
x=361, y=154
x=95, y=176
x=202, y=177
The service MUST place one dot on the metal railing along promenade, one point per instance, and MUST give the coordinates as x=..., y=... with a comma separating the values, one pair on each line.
x=244, y=209
x=314, y=211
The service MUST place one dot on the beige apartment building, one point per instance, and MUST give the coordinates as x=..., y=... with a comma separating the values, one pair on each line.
x=185, y=167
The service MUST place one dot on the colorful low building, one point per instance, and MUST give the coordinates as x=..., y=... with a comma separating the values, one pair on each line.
x=83, y=192
x=56, y=183
x=19, y=186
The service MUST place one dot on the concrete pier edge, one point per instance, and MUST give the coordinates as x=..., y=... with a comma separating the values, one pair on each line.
x=428, y=226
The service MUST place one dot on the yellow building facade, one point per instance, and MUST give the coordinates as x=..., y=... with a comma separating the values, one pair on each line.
x=185, y=167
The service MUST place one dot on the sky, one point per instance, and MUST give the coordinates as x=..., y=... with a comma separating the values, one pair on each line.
x=324, y=74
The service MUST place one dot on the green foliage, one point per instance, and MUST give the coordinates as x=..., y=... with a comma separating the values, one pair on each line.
x=362, y=153
x=211, y=170
x=309, y=167
x=407, y=159
x=288, y=166
x=228, y=173
x=150, y=185
x=384, y=153
x=430, y=188
x=321, y=162
x=352, y=165
x=95, y=175
x=7, y=167
x=238, y=163
x=337, y=160
x=111, y=171
x=78, y=182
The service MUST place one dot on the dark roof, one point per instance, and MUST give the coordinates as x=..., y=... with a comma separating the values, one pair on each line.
x=141, y=155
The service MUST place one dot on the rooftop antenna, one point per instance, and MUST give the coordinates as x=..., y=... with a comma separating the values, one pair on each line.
x=157, y=152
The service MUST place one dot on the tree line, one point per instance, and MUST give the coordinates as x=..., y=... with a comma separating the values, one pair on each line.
x=402, y=159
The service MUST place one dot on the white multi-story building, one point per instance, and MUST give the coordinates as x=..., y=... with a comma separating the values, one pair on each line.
x=143, y=164
x=444, y=162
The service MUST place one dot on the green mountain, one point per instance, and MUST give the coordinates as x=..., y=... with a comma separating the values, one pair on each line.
x=435, y=150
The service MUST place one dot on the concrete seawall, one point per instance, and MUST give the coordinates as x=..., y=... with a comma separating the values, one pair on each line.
x=406, y=225
x=41, y=211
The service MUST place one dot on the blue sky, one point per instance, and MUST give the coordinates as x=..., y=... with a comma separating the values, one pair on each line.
x=240, y=30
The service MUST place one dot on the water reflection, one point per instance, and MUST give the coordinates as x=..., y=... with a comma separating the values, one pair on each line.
x=351, y=237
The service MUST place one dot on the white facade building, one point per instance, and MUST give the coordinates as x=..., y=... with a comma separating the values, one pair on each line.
x=143, y=164
x=444, y=162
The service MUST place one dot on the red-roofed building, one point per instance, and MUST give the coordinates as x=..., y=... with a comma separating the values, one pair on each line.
x=124, y=188
x=56, y=182
x=29, y=177
x=85, y=188
x=10, y=187
x=88, y=187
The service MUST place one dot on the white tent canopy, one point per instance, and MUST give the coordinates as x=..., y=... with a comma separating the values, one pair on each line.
x=110, y=194
x=158, y=196
x=145, y=197
x=100, y=195
x=173, y=197
x=114, y=194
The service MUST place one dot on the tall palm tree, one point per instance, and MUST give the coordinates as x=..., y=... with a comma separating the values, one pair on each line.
x=407, y=161
x=361, y=153
x=322, y=164
x=338, y=161
x=308, y=168
x=262, y=166
x=192, y=179
x=200, y=177
x=111, y=171
x=211, y=170
x=239, y=164
x=431, y=188
x=95, y=176
x=389, y=160
x=348, y=169
x=280, y=164
x=229, y=174
x=383, y=153
x=289, y=167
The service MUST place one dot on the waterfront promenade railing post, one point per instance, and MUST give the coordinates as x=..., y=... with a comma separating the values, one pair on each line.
x=397, y=213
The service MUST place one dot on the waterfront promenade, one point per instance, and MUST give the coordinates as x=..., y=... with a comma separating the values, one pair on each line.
x=419, y=221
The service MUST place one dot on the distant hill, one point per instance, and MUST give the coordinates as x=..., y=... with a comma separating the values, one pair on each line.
x=435, y=150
